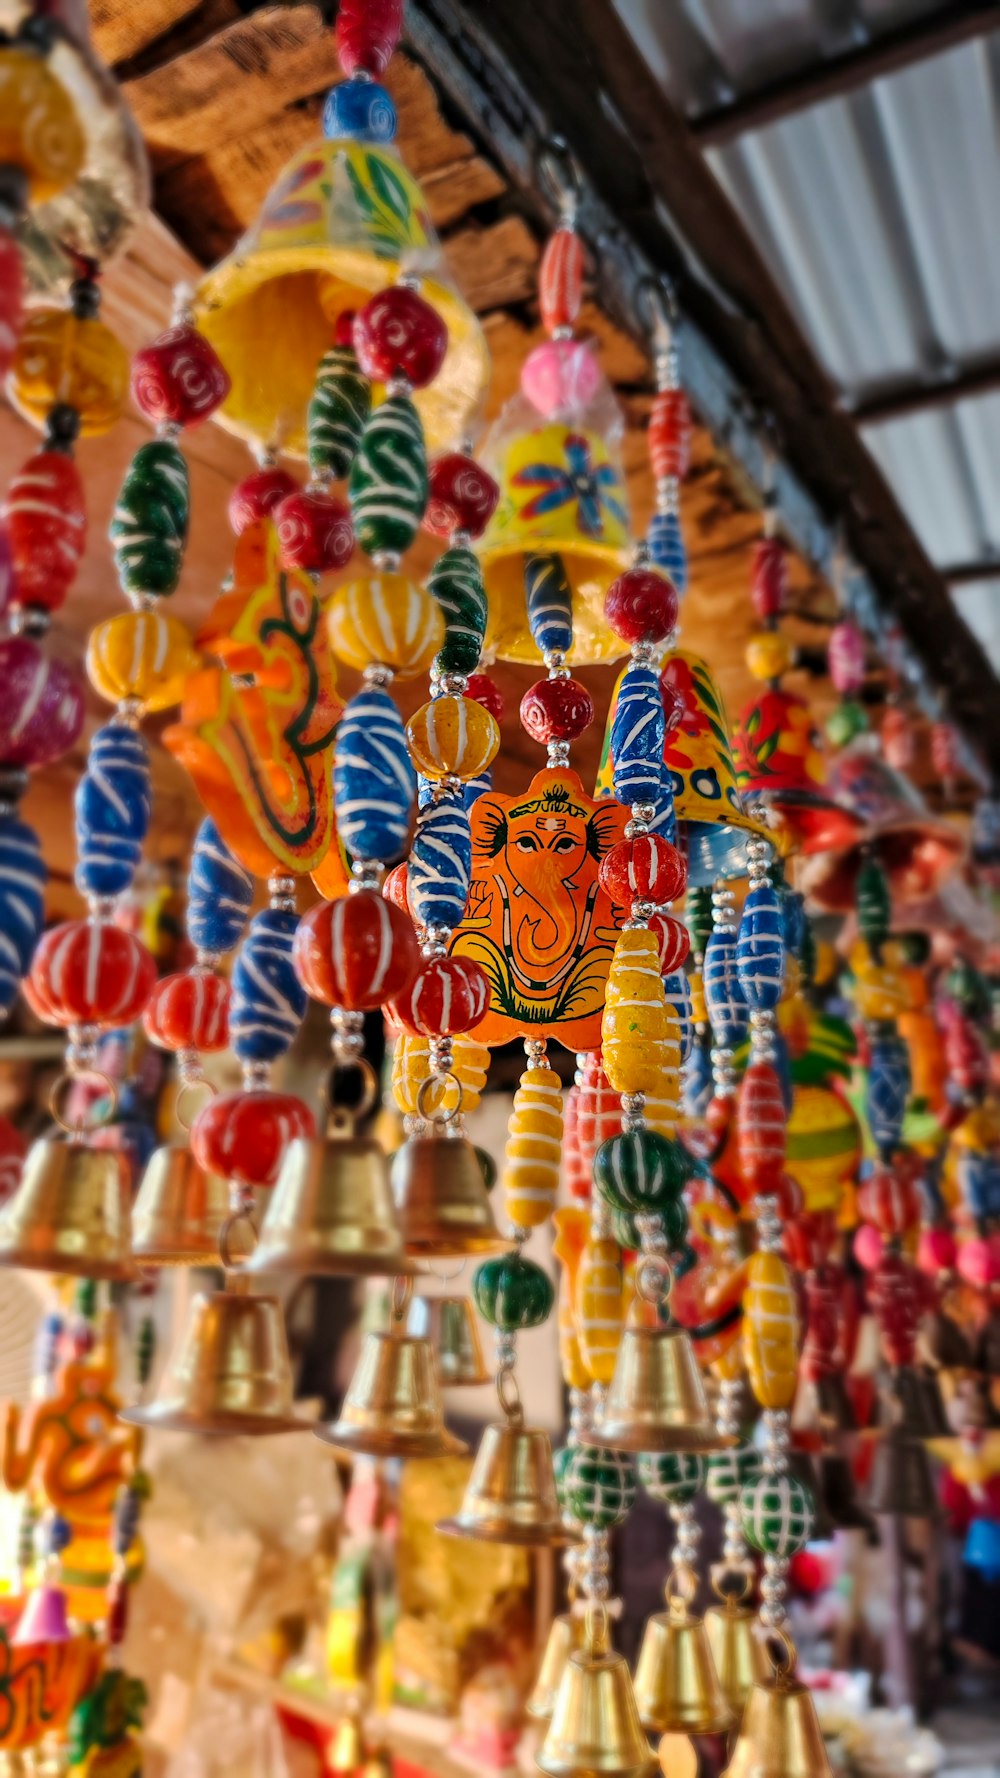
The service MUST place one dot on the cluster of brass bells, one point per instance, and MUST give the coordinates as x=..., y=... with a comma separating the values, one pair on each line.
x=595, y=1726
x=70, y=1212
x=229, y=1373
x=677, y=1688
x=656, y=1398
x=780, y=1735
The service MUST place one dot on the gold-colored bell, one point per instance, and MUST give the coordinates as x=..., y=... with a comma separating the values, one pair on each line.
x=346, y=1751
x=902, y=1485
x=656, y=1398
x=595, y=1727
x=442, y=1203
x=737, y=1651
x=510, y=1496
x=229, y=1373
x=331, y=1213
x=70, y=1212
x=393, y=1406
x=914, y=1404
x=780, y=1736
x=179, y=1211
x=563, y=1638
x=449, y=1324
x=676, y=1686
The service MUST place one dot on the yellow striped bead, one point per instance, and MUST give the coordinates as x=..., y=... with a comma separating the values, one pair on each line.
x=143, y=655
x=771, y=1330
x=662, y=1108
x=600, y=1307
x=534, y=1148
x=62, y=358
x=574, y=1372
x=411, y=1065
x=639, y=1032
x=452, y=737
x=387, y=618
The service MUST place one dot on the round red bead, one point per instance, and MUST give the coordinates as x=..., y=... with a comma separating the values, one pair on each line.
x=890, y=1200
x=314, y=531
x=189, y=1011
x=560, y=279
x=760, y=1130
x=243, y=1136
x=641, y=605
x=447, y=996
x=394, y=887
x=47, y=527
x=257, y=495
x=669, y=436
x=88, y=972
x=11, y=299
x=358, y=952
x=367, y=33
x=646, y=868
x=769, y=577
x=463, y=496
x=13, y=1148
x=556, y=710
x=398, y=334
x=674, y=941
x=487, y=692
x=179, y=378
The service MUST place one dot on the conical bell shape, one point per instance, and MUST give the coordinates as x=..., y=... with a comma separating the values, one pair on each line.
x=393, y=1406
x=44, y=1618
x=837, y=1492
x=676, y=1686
x=449, y=1324
x=563, y=1638
x=511, y=1494
x=442, y=1205
x=780, y=1736
x=902, y=1485
x=914, y=1405
x=70, y=1212
x=656, y=1397
x=331, y=1211
x=736, y=1650
x=229, y=1373
x=179, y=1211
x=595, y=1727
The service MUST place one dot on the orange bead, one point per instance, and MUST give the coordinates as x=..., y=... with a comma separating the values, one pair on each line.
x=452, y=738
x=62, y=357
x=560, y=280
x=669, y=436
x=39, y=128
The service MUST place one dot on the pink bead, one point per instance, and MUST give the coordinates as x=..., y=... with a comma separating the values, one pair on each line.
x=868, y=1247
x=11, y=299
x=674, y=941
x=398, y=334
x=314, y=531
x=47, y=527
x=367, y=33
x=897, y=739
x=936, y=1251
x=641, y=605
x=846, y=658
x=463, y=496
x=257, y=496
x=979, y=1262
x=179, y=378
x=556, y=710
x=560, y=377
x=487, y=692
x=560, y=279
x=42, y=708
x=646, y=868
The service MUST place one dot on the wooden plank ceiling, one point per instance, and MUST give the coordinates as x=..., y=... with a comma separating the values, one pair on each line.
x=223, y=101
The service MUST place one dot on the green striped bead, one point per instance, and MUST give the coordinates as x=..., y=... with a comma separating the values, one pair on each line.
x=672, y=1477
x=149, y=525
x=673, y=1219
x=388, y=483
x=778, y=1514
x=511, y=1292
x=338, y=413
x=640, y=1171
x=456, y=581
x=728, y=1472
x=600, y=1487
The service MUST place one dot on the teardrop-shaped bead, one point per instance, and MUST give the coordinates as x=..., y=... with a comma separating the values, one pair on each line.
x=22, y=903
x=638, y=733
x=220, y=893
x=549, y=601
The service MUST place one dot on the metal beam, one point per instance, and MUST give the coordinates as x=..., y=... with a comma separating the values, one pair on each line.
x=958, y=22
x=966, y=573
x=943, y=390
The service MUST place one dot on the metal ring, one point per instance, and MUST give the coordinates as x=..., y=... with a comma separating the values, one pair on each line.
x=559, y=176
x=656, y=303
x=509, y=1396
x=446, y=1274
x=400, y=1297
x=369, y=1086
x=653, y=1279
x=780, y=1650
x=443, y=1117
x=231, y=1261
x=682, y=1585
x=597, y=1623
x=186, y=1087
x=732, y=1585
x=73, y=1077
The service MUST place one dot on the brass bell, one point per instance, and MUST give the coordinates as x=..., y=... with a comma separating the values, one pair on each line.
x=914, y=1404
x=780, y=1736
x=736, y=1650
x=70, y=1212
x=563, y=1638
x=393, y=1405
x=823, y=1404
x=510, y=1496
x=229, y=1373
x=442, y=1203
x=902, y=1484
x=330, y=1213
x=676, y=1686
x=449, y=1324
x=656, y=1397
x=346, y=1751
x=178, y=1211
x=595, y=1727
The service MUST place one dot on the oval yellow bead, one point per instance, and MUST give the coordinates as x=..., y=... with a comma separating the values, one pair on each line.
x=62, y=358
x=771, y=1330
x=574, y=1371
x=534, y=1148
x=142, y=655
x=387, y=618
x=639, y=1031
x=452, y=737
x=600, y=1307
x=40, y=130
x=768, y=654
x=411, y=1065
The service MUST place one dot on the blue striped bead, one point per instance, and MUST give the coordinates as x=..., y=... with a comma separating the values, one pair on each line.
x=550, y=603
x=667, y=550
x=888, y=1090
x=979, y=1182
x=440, y=867
x=677, y=990
x=727, y=1009
x=698, y=1082
x=760, y=949
x=793, y=914
x=269, y=1002
x=359, y=111
x=664, y=814
x=22, y=904
x=112, y=811
x=474, y=788
x=638, y=733
x=220, y=893
x=373, y=781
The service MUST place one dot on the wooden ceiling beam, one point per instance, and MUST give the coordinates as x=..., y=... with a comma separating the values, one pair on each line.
x=907, y=399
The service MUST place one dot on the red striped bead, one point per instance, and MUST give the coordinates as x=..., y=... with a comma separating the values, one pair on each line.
x=447, y=997
x=890, y=1201
x=560, y=279
x=897, y=739
x=394, y=887
x=646, y=868
x=896, y=1297
x=47, y=527
x=367, y=32
x=599, y=1111
x=822, y=1325
x=769, y=577
x=243, y=1136
x=576, y=1172
x=967, y=1057
x=669, y=435
x=808, y=1238
x=88, y=972
x=760, y=1130
x=189, y=1011
x=358, y=952
x=674, y=941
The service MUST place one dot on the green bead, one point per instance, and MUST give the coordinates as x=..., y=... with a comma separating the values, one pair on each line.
x=672, y=1477
x=511, y=1292
x=698, y=917
x=388, y=484
x=600, y=1487
x=85, y=1298
x=149, y=525
x=845, y=723
x=488, y=1167
x=338, y=413
x=456, y=581
x=728, y=1472
x=673, y=1217
x=872, y=902
x=562, y=1464
x=778, y=1514
x=145, y=1348
x=641, y=1171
